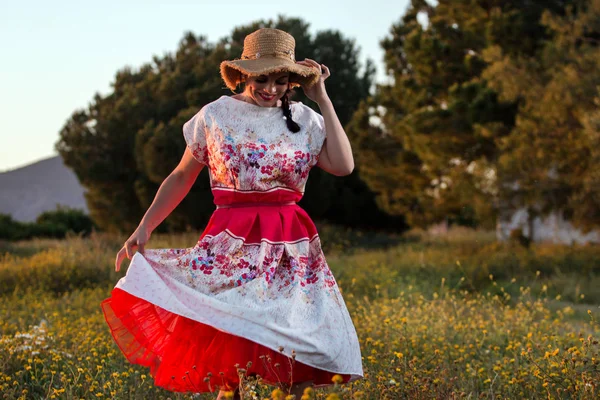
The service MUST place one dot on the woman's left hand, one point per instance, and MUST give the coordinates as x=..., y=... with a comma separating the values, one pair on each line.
x=316, y=92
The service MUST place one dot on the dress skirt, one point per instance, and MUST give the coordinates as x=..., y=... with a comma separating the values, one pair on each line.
x=253, y=296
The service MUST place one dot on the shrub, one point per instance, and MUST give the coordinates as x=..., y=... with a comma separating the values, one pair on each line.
x=64, y=219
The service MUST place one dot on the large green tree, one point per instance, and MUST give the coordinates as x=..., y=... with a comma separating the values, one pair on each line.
x=429, y=141
x=550, y=162
x=125, y=144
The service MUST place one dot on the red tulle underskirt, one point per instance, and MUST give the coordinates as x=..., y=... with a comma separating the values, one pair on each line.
x=181, y=352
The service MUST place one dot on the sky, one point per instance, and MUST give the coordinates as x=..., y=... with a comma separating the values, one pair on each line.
x=57, y=55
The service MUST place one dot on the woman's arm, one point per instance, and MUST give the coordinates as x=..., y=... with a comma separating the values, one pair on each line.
x=173, y=189
x=336, y=154
x=170, y=193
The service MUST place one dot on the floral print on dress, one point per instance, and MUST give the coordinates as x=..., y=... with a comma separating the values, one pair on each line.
x=252, y=148
x=223, y=262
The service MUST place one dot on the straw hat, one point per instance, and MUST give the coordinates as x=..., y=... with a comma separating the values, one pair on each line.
x=268, y=50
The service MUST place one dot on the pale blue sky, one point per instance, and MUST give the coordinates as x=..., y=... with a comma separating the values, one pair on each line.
x=57, y=54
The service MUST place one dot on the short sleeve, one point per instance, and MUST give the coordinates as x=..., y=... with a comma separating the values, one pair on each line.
x=194, y=133
x=318, y=135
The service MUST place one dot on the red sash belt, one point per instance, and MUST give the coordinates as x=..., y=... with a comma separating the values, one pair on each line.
x=257, y=203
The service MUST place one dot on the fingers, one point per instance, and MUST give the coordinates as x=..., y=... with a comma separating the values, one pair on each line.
x=129, y=244
x=310, y=63
x=129, y=247
x=119, y=259
x=325, y=73
x=314, y=63
x=305, y=63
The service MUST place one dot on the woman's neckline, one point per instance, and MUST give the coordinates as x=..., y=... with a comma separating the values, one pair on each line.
x=255, y=106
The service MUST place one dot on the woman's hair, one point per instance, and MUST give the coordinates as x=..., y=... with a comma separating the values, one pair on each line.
x=287, y=112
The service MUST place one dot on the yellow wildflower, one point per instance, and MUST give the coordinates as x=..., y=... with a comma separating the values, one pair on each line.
x=277, y=394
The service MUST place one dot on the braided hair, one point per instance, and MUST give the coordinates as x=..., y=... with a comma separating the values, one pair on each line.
x=287, y=112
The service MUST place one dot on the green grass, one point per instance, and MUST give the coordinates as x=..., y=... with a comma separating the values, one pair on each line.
x=437, y=317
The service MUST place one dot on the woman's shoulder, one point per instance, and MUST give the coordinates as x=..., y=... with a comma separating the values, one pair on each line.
x=213, y=108
x=216, y=103
x=306, y=111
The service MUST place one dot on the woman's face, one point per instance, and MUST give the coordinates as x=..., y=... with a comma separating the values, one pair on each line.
x=266, y=90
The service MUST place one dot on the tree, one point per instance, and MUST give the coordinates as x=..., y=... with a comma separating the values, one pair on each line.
x=123, y=146
x=430, y=140
x=550, y=162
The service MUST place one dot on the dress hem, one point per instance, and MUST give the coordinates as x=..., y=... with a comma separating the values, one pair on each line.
x=145, y=356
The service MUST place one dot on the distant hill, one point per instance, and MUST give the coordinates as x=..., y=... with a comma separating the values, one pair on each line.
x=28, y=191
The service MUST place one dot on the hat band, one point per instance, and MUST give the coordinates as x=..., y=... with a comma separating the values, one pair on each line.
x=289, y=54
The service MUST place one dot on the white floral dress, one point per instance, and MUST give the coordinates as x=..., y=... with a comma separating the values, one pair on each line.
x=256, y=286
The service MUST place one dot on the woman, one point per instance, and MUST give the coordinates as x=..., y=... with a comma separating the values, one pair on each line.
x=255, y=295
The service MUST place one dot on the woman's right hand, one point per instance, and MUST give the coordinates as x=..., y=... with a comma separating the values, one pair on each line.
x=137, y=240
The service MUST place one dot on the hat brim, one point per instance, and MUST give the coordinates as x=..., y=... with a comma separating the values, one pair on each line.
x=231, y=71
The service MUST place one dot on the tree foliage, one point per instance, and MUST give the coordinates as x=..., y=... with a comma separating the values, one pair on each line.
x=549, y=161
x=434, y=141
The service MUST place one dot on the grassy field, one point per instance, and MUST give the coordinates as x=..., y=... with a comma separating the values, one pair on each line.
x=458, y=316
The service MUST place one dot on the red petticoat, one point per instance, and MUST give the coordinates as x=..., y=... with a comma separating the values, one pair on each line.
x=181, y=352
